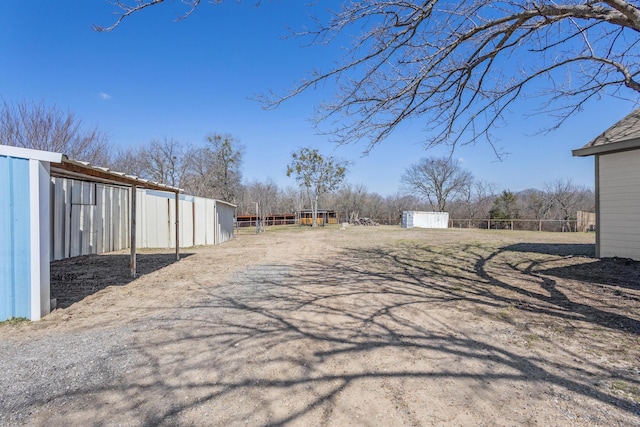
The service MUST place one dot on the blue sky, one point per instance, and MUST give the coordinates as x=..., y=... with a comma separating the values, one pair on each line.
x=153, y=77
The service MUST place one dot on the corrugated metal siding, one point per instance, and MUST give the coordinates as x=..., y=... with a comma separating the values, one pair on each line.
x=210, y=220
x=15, y=247
x=186, y=223
x=155, y=219
x=88, y=218
x=224, y=215
x=154, y=216
x=201, y=222
x=204, y=222
x=619, y=218
x=422, y=219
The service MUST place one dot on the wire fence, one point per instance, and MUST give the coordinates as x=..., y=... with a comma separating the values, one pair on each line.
x=549, y=225
x=554, y=225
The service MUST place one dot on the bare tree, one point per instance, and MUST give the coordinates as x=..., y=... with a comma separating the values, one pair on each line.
x=537, y=203
x=374, y=207
x=474, y=201
x=167, y=161
x=265, y=194
x=216, y=168
x=398, y=203
x=317, y=174
x=129, y=161
x=460, y=65
x=291, y=200
x=567, y=198
x=41, y=127
x=438, y=179
x=350, y=200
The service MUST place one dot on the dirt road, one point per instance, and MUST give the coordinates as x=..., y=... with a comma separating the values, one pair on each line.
x=363, y=326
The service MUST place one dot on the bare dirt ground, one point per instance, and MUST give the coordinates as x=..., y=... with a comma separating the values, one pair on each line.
x=363, y=326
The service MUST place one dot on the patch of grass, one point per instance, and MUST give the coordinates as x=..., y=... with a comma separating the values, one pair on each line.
x=14, y=321
x=531, y=339
x=632, y=391
x=505, y=313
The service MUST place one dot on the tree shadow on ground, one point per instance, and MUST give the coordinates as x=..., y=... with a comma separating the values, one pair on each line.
x=319, y=342
x=560, y=249
x=74, y=279
x=576, y=298
x=613, y=271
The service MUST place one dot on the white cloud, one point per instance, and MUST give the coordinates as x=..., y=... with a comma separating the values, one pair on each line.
x=104, y=96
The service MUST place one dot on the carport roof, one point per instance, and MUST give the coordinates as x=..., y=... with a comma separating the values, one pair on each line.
x=63, y=166
x=69, y=168
x=622, y=136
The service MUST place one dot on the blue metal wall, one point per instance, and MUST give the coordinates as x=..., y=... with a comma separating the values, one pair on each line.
x=15, y=250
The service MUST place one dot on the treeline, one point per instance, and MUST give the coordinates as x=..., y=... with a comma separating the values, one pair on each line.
x=556, y=204
x=448, y=187
x=214, y=170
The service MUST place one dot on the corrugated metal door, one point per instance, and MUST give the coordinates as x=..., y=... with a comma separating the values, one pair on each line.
x=88, y=218
x=15, y=239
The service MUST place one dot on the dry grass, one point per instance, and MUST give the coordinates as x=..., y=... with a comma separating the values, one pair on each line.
x=363, y=326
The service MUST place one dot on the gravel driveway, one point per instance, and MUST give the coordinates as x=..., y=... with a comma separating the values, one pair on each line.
x=366, y=326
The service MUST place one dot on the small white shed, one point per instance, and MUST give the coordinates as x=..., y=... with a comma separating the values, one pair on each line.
x=422, y=219
x=617, y=176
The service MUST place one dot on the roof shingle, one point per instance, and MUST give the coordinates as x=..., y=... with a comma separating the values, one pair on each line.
x=622, y=136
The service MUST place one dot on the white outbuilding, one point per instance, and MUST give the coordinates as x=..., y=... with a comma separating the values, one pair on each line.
x=422, y=219
x=617, y=185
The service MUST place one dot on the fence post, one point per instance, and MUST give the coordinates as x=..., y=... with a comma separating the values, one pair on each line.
x=257, y=226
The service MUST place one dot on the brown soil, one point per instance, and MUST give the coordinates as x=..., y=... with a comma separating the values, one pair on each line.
x=363, y=326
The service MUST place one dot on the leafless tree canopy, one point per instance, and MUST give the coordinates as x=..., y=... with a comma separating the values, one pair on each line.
x=459, y=66
x=167, y=161
x=265, y=195
x=437, y=179
x=214, y=170
x=217, y=168
x=566, y=198
x=41, y=127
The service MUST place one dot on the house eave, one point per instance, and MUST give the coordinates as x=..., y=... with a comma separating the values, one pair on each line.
x=630, y=144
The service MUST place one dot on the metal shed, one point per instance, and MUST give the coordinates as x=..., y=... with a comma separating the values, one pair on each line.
x=422, y=219
x=202, y=221
x=26, y=220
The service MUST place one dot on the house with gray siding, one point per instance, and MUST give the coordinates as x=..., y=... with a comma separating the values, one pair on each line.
x=617, y=175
